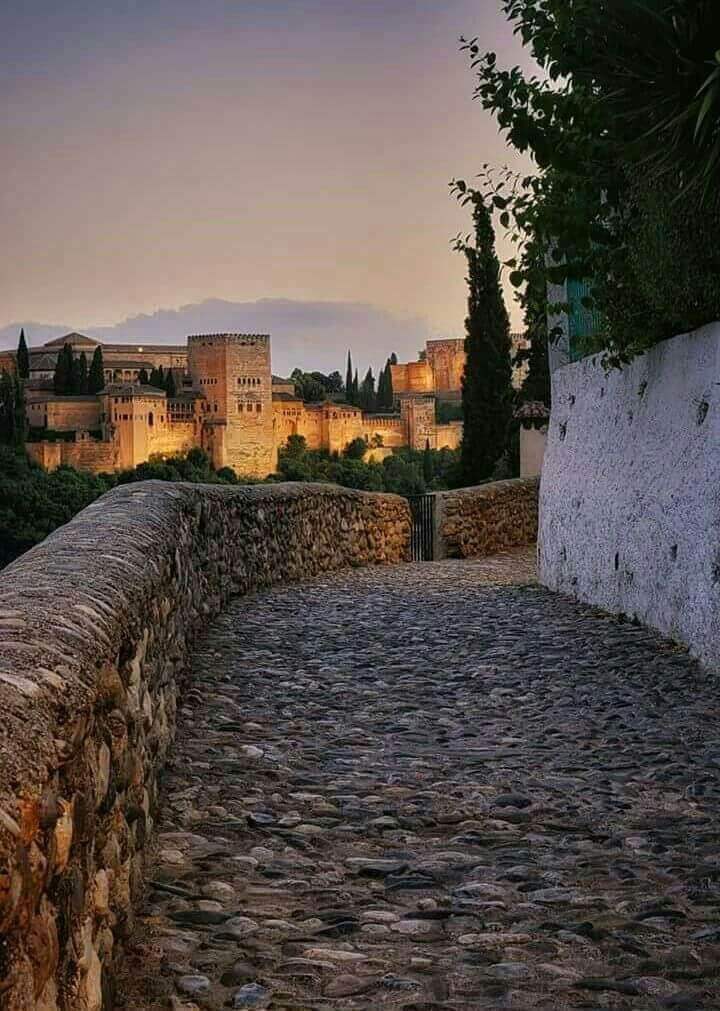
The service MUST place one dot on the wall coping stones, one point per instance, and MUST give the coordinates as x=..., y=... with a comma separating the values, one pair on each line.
x=95, y=625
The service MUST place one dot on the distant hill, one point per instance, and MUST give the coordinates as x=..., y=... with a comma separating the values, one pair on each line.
x=310, y=335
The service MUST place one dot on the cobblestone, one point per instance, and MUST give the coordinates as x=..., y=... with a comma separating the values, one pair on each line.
x=436, y=786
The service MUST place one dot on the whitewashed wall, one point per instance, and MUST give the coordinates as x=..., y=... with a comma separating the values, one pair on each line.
x=630, y=489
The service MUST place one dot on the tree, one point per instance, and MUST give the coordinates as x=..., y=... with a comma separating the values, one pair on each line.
x=366, y=399
x=63, y=380
x=349, y=380
x=143, y=377
x=23, y=357
x=170, y=388
x=96, y=375
x=355, y=390
x=487, y=393
x=80, y=374
x=156, y=378
x=625, y=135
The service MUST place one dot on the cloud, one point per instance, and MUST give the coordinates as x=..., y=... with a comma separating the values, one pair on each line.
x=311, y=335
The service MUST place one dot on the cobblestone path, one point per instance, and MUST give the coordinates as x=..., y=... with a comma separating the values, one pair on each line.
x=419, y=788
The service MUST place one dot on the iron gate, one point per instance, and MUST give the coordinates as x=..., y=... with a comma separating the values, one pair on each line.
x=423, y=527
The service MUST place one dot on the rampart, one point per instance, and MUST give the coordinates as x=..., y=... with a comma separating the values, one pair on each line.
x=472, y=522
x=95, y=625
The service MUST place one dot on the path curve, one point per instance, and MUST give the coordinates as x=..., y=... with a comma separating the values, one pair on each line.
x=418, y=788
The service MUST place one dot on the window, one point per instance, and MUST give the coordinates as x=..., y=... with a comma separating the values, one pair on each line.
x=258, y=408
x=151, y=420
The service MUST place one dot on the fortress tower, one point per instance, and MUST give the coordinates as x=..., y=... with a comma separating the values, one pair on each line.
x=233, y=373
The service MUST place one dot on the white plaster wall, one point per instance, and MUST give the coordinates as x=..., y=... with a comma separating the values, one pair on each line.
x=630, y=489
x=532, y=450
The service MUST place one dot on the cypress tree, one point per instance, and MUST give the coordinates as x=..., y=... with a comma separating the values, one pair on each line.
x=23, y=357
x=487, y=393
x=367, y=392
x=393, y=359
x=143, y=377
x=170, y=383
x=7, y=407
x=96, y=375
x=349, y=380
x=355, y=390
x=63, y=379
x=154, y=377
x=80, y=374
x=381, y=393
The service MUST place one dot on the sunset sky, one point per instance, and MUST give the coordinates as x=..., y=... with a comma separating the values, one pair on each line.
x=161, y=152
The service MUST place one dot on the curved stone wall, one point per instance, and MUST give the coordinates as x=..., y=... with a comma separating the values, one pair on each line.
x=95, y=625
x=472, y=522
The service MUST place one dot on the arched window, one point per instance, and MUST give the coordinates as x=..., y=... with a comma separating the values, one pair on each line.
x=151, y=420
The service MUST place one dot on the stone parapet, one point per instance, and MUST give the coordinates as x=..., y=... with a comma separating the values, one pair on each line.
x=472, y=522
x=95, y=625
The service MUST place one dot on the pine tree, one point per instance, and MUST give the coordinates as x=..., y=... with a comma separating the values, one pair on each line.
x=355, y=390
x=96, y=375
x=23, y=357
x=349, y=380
x=487, y=393
x=154, y=378
x=143, y=377
x=393, y=359
x=381, y=393
x=63, y=379
x=170, y=388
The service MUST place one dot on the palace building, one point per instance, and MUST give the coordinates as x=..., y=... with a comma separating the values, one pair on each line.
x=227, y=402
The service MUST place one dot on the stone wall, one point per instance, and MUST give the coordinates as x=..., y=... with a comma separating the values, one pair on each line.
x=472, y=522
x=95, y=624
x=630, y=496
x=93, y=455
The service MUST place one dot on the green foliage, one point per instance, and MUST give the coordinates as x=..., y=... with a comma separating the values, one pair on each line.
x=366, y=399
x=169, y=383
x=487, y=394
x=349, y=380
x=80, y=374
x=402, y=473
x=96, y=375
x=316, y=387
x=12, y=409
x=385, y=393
x=23, y=357
x=156, y=378
x=356, y=449
x=143, y=377
x=34, y=502
x=64, y=372
x=447, y=411
x=624, y=128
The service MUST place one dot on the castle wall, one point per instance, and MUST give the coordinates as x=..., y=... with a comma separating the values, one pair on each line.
x=419, y=416
x=392, y=431
x=86, y=454
x=412, y=377
x=447, y=436
x=446, y=359
x=64, y=414
x=173, y=437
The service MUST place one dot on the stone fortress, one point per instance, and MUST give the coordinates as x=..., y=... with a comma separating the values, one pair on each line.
x=227, y=402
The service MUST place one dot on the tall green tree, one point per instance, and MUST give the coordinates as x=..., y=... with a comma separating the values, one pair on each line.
x=367, y=392
x=170, y=387
x=12, y=409
x=143, y=377
x=487, y=393
x=428, y=467
x=96, y=375
x=63, y=379
x=349, y=380
x=23, y=357
x=80, y=374
x=355, y=390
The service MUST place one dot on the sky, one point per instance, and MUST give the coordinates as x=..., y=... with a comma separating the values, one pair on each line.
x=157, y=153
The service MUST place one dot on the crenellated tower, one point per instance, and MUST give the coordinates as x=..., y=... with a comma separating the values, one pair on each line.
x=232, y=371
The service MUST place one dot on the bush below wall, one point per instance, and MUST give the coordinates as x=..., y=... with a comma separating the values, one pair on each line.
x=630, y=494
x=95, y=624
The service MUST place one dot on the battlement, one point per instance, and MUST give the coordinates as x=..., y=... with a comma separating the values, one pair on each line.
x=250, y=339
